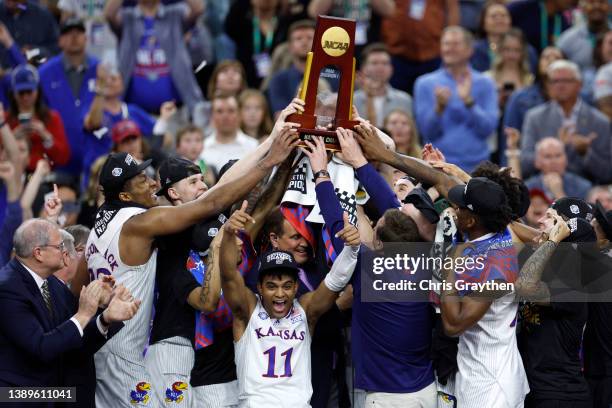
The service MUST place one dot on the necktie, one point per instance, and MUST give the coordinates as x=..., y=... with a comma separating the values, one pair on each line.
x=47, y=296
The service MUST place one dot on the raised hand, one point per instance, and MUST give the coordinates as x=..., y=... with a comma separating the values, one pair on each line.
x=554, y=183
x=238, y=220
x=373, y=147
x=6, y=39
x=7, y=171
x=53, y=205
x=351, y=151
x=296, y=106
x=452, y=170
x=285, y=142
x=582, y=143
x=442, y=94
x=560, y=230
x=167, y=110
x=513, y=136
x=316, y=153
x=122, y=306
x=432, y=154
x=349, y=233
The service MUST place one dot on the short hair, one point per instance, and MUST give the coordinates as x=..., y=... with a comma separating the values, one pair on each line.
x=277, y=273
x=468, y=38
x=80, y=233
x=564, y=64
x=300, y=25
x=31, y=234
x=372, y=49
x=398, y=227
x=185, y=130
x=548, y=140
x=68, y=241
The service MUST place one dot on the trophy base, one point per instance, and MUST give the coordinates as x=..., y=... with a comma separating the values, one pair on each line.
x=330, y=138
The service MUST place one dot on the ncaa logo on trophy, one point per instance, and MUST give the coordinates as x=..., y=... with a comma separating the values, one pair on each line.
x=333, y=47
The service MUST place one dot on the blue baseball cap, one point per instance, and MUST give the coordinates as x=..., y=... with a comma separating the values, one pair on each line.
x=24, y=78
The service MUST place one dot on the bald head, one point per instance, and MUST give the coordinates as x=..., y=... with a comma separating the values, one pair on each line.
x=550, y=156
x=31, y=234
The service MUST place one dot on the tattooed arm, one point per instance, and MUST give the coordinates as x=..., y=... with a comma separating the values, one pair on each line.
x=206, y=297
x=529, y=285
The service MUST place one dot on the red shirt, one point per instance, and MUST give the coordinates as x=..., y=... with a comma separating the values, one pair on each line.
x=58, y=153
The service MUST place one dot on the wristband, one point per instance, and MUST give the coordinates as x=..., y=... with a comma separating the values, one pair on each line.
x=342, y=269
x=321, y=173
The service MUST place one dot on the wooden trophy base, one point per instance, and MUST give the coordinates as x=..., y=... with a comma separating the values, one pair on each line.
x=307, y=130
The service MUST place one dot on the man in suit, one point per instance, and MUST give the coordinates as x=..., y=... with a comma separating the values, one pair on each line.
x=39, y=329
x=584, y=130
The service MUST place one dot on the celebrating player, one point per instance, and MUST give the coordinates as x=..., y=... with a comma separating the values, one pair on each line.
x=272, y=330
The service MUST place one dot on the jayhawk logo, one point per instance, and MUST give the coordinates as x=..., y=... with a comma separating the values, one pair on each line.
x=141, y=394
x=175, y=394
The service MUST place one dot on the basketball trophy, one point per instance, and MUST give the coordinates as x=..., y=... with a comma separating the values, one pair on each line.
x=333, y=46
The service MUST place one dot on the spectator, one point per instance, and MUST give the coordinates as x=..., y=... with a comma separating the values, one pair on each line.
x=227, y=142
x=522, y=100
x=66, y=189
x=602, y=89
x=377, y=98
x=256, y=30
x=577, y=42
x=465, y=104
x=189, y=145
x=80, y=233
x=254, y=114
x=413, y=35
x=67, y=81
x=402, y=129
x=542, y=21
x=13, y=55
x=284, y=84
x=153, y=56
x=29, y=114
x=510, y=69
x=554, y=180
x=92, y=197
x=363, y=12
x=32, y=27
x=603, y=194
x=584, y=130
x=228, y=77
x=101, y=41
x=127, y=137
x=68, y=272
x=539, y=203
x=495, y=21
x=11, y=215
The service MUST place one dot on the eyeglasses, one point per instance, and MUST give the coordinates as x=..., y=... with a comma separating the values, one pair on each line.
x=59, y=247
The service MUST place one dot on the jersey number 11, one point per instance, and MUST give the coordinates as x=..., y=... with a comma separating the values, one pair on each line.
x=271, y=352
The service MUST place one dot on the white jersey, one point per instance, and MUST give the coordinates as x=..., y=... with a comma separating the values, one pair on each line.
x=102, y=255
x=273, y=360
x=491, y=372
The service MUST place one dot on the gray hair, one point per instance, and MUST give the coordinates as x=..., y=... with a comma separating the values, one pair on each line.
x=468, y=38
x=564, y=64
x=31, y=234
x=68, y=241
x=80, y=233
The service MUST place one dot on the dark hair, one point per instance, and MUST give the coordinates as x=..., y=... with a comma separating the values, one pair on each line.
x=372, y=49
x=273, y=224
x=300, y=25
x=511, y=185
x=187, y=129
x=40, y=108
x=278, y=273
x=483, y=12
x=398, y=227
x=212, y=82
x=598, y=59
x=498, y=221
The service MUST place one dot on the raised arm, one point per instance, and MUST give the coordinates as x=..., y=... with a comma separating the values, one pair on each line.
x=529, y=284
x=322, y=299
x=112, y=13
x=206, y=297
x=239, y=298
x=374, y=149
x=95, y=115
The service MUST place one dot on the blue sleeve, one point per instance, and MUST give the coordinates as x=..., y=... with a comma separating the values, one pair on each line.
x=144, y=120
x=331, y=211
x=428, y=121
x=380, y=193
x=12, y=220
x=14, y=55
x=483, y=115
x=512, y=114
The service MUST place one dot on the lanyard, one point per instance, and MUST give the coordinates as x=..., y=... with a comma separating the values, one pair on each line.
x=257, y=36
x=361, y=7
x=544, y=26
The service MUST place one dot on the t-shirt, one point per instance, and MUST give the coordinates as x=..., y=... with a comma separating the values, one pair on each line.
x=549, y=340
x=214, y=364
x=173, y=315
x=388, y=357
x=151, y=82
x=216, y=154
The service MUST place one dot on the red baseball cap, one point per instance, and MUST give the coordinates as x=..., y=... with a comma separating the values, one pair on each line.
x=536, y=192
x=125, y=129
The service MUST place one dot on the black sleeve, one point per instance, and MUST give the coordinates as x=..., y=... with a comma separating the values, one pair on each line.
x=183, y=283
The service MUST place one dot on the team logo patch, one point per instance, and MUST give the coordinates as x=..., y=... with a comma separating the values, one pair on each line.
x=574, y=209
x=212, y=232
x=129, y=159
x=117, y=171
x=298, y=179
x=573, y=224
x=103, y=218
x=176, y=391
x=140, y=395
x=278, y=257
x=263, y=315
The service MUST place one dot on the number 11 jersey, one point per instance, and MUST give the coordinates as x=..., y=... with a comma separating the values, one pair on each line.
x=273, y=360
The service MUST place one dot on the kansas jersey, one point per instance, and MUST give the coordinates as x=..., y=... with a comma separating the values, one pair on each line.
x=273, y=360
x=102, y=256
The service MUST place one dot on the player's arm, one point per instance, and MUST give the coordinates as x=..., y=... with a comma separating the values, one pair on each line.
x=239, y=298
x=322, y=299
x=375, y=150
x=529, y=284
x=206, y=297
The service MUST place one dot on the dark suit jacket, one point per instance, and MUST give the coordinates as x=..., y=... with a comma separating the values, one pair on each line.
x=35, y=346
